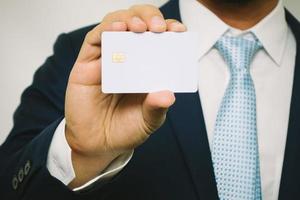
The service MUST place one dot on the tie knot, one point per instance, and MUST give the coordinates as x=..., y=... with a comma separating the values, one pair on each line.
x=238, y=52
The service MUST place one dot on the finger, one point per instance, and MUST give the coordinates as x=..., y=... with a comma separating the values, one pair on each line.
x=175, y=26
x=133, y=21
x=155, y=107
x=152, y=16
x=136, y=24
x=90, y=48
x=86, y=74
x=87, y=69
x=116, y=21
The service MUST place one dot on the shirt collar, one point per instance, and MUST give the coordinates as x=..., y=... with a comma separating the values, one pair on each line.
x=270, y=31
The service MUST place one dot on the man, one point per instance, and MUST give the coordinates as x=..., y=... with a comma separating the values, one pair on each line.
x=71, y=141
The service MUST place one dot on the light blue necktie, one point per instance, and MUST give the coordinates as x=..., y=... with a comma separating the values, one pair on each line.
x=235, y=147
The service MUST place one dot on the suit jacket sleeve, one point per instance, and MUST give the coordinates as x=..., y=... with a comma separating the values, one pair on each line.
x=23, y=156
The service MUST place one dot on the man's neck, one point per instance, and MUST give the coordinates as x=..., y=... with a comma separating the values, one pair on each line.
x=240, y=15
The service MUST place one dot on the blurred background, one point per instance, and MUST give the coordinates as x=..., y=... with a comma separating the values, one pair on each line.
x=28, y=30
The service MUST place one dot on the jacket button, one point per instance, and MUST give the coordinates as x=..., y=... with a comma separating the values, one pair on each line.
x=21, y=175
x=27, y=168
x=15, y=183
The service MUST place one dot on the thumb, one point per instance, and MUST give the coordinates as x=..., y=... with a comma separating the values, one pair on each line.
x=87, y=68
x=155, y=107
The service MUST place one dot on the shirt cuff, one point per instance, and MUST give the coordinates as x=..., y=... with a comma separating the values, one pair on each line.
x=59, y=161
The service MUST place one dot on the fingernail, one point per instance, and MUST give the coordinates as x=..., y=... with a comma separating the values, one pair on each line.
x=176, y=26
x=137, y=20
x=158, y=21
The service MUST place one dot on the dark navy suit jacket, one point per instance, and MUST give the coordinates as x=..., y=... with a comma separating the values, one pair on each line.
x=175, y=163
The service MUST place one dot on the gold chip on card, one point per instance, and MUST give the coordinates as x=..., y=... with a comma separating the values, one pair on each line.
x=118, y=57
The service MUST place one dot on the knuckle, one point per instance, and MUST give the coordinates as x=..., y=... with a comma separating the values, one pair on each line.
x=92, y=33
x=108, y=15
x=119, y=14
x=88, y=35
x=122, y=13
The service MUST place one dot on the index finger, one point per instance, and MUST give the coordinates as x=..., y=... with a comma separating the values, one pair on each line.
x=152, y=16
x=90, y=48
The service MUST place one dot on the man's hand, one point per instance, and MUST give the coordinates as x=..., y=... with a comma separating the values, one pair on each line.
x=100, y=127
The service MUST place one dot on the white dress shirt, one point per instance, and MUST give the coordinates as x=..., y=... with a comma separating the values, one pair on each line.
x=272, y=72
x=59, y=161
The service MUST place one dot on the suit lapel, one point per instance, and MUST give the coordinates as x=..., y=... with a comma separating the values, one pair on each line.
x=289, y=186
x=171, y=10
x=187, y=121
x=189, y=127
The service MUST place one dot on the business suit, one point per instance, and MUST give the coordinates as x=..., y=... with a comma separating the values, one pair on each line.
x=175, y=163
